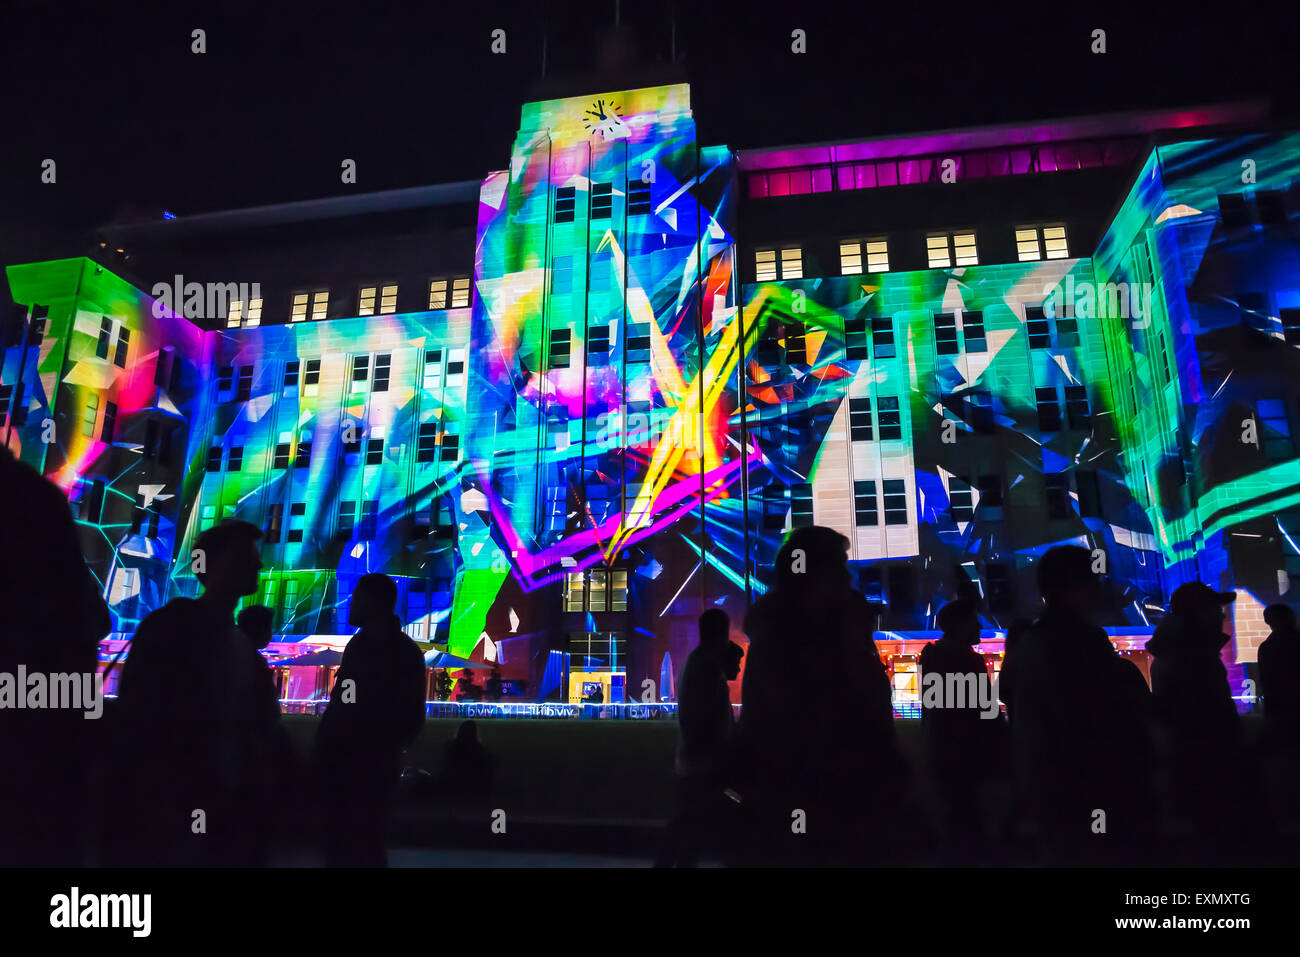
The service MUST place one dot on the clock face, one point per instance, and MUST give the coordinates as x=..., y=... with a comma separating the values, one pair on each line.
x=603, y=118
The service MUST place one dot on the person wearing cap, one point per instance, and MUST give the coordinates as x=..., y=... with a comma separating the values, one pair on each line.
x=956, y=692
x=1079, y=737
x=1188, y=680
x=1204, y=764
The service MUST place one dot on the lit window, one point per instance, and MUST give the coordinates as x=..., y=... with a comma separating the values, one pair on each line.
x=765, y=264
x=1054, y=242
x=388, y=301
x=320, y=305
x=438, y=294
x=460, y=292
x=234, y=315
x=951, y=249
x=299, y=307
x=89, y=416
x=1034, y=243
x=254, y=317
x=366, y=303
x=850, y=257
x=792, y=263
x=877, y=255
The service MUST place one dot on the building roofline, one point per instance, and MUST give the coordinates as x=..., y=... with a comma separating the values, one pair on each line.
x=331, y=207
x=1133, y=123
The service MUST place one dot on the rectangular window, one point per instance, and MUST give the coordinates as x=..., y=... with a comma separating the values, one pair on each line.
x=1076, y=407
x=860, y=420
x=253, y=314
x=601, y=274
x=450, y=450
x=291, y=369
x=990, y=487
x=360, y=372
x=245, y=384
x=602, y=200
x=225, y=378
x=1049, y=410
x=801, y=505
x=855, y=338
x=562, y=275
x=433, y=369
x=234, y=314
x=765, y=265
x=297, y=511
x=460, y=292
x=281, y=459
x=1040, y=334
x=895, y=501
x=1041, y=242
x=850, y=257
x=365, y=301
x=347, y=518
x=106, y=434
x=638, y=198
x=274, y=523
x=1067, y=331
x=455, y=364
x=303, y=458
x=961, y=503
x=383, y=365
x=1291, y=326
x=438, y=294
x=945, y=334
x=369, y=520
x=1275, y=430
x=427, y=442
x=877, y=255
x=972, y=325
x=560, y=348
x=123, y=344
x=311, y=378
x=882, y=338
x=598, y=345
x=1058, y=495
x=214, y=459
x=375, y=451
x=105, y=337
x=864, y=504
x=235, y=460
x=388, y=301
x=320, y=302
x=299, y=313
x=1089, y=493
x=565, y=202
x=889, y=419
x=792, y=263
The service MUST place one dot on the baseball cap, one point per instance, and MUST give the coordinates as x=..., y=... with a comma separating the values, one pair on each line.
x=1194, y=596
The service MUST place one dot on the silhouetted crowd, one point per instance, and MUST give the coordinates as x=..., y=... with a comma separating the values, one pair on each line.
x=1068, y=758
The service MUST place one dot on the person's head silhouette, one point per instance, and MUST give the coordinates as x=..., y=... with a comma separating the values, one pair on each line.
x=731, y=657
x=959, y=621
x=1067, y=581
x=1280, y=618
x=256, y=622
x=467, y=733
x=715, y=628
x=373, y=602
x=812, y=567
x=227, y=561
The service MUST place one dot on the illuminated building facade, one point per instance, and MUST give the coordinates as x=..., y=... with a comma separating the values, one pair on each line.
x=572, y=405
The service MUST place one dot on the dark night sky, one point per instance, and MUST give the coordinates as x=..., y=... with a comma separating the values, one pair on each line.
x=412, y=92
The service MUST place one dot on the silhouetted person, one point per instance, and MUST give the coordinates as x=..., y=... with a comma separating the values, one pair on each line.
x=1279, y=675
x=1017, y=632
x=196, y=731
x=1080, y=725
x=704, y=741
x=257, y=623
x=494, y=685
x=467, y=767
x=54, y=618
x=1194, y=704
x=442, y=685
x=956, y=696
x=376, y=709
x=467, y=690
x=829, y=753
